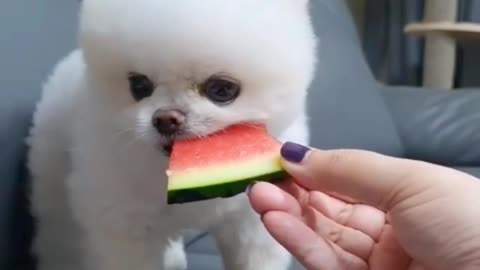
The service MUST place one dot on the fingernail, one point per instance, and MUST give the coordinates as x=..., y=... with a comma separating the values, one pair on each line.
x=294, y=152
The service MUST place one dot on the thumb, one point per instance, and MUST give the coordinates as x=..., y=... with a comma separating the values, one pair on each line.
x=374, y=179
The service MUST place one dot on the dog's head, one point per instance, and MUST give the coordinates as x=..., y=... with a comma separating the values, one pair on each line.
x=177, y=69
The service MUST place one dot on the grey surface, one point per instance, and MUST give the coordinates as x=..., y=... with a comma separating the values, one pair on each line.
x=202, y=256
x=437, y=126
x=33, y=35
x=342, y=77
x=346, y=109
x=472, y=170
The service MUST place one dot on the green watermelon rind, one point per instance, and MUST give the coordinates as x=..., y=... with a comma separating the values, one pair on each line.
x=225, y=172
x=222, y=190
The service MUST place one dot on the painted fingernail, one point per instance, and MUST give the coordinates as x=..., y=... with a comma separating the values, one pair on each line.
x=294, y=152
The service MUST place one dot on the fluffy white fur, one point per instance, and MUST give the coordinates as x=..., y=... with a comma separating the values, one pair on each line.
x=99, y=184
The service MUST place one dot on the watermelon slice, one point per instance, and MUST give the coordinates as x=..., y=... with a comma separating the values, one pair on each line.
x=223, y=164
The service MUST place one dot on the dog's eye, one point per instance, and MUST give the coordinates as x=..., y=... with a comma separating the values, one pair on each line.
x=221, y=90
x=140, y=86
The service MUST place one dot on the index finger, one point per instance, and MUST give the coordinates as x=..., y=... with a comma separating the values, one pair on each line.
x=377, y=180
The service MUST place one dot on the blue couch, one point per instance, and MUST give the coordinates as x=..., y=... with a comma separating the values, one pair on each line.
x=348, y=108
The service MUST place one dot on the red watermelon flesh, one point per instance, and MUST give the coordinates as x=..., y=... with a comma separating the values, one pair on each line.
x=223, y=164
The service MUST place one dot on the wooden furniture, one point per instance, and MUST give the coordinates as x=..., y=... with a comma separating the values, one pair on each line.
x=441, y=32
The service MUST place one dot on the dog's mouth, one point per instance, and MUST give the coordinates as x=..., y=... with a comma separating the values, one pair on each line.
x=168, y=147
x=166, y=143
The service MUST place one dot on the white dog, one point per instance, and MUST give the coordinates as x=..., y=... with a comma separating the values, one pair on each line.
x=149, y=72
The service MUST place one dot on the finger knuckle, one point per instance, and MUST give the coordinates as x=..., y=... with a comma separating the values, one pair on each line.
x=308, y=255
x=345, y=214
x=335, y=234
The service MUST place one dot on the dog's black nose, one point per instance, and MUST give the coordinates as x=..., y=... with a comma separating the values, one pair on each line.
x=168, y=122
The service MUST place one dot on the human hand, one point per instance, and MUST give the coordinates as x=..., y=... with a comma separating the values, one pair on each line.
x=392, y=213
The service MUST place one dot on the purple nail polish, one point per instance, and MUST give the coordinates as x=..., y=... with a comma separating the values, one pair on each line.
x=294, y=152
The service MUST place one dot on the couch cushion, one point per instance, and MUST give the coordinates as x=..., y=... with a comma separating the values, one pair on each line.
x=474, y=171
x=49, y=26
x=345, y=106
x=437, y=126
x=14, y=124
